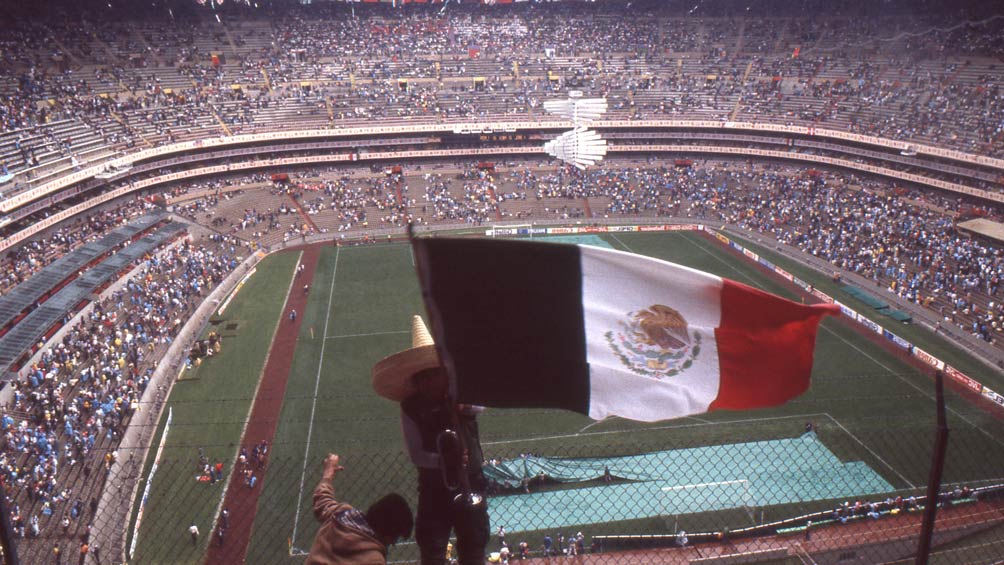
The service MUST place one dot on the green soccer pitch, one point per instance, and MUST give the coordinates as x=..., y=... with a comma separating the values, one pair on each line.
x=867, y=403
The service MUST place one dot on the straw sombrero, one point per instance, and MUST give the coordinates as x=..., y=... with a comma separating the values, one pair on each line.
x=392, y=376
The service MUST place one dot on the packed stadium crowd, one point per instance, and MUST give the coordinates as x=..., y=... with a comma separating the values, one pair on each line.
x=21, y=262
x=71, y=406
x=905, y=240
x=73, y=94
x=137, y=83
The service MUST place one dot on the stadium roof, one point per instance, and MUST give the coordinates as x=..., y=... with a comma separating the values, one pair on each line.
x=985, y=228
x=34, y=326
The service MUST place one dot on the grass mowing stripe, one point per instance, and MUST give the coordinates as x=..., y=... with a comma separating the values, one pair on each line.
x=371, y=334
x=650, y=429
x=926, y=394
x=875, y=455
x=313, y=405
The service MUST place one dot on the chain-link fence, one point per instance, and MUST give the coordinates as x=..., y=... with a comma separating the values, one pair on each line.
x=783, y=491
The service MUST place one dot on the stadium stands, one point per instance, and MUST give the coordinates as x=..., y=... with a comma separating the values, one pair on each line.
x=75, y=94
x=46, y=318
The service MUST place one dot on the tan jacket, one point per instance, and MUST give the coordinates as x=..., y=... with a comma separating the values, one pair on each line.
x=342, y=539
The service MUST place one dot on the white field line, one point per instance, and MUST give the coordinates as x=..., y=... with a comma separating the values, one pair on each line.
x=313, y=406
x=802, y=417
x=595, y=423
x=610, y=418
x=247, y=419
x=875, y=455
x=343, y=336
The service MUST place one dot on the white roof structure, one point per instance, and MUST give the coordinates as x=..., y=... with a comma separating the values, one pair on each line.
x=579, y=147
x=581, y=111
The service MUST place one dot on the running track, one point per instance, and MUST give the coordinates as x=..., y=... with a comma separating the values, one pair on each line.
x=239, y=499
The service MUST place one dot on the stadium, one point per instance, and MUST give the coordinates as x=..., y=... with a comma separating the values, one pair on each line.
x=209, y=217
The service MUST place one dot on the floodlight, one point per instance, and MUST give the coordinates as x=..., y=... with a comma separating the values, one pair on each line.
x=579, y=147
x=582, y=111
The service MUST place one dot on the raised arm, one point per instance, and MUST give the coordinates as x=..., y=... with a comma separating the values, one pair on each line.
x=324, y=495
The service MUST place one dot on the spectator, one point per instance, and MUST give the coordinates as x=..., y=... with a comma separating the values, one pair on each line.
x=350, y=536
x=415, y=379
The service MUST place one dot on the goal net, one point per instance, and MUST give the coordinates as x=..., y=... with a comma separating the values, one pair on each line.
x=708, y=497
x=516, y=230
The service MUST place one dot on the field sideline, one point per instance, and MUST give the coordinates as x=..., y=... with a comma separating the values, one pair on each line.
x=867, y=404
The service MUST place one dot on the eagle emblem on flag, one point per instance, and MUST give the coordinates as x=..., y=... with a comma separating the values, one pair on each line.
x=655, y=342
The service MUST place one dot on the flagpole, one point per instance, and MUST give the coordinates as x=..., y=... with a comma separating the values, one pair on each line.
x=466, y=494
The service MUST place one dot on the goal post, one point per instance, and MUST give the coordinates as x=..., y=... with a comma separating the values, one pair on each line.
x=515, y=230
x=708, y=497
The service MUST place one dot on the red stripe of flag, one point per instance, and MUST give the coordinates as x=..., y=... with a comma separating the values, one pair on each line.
x=765, y=347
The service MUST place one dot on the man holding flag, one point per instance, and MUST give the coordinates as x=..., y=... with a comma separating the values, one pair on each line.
x=596, y=331
x=608, y=333
x=443, y=443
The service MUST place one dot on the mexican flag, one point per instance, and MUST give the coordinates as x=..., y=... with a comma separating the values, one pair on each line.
x=608, y=333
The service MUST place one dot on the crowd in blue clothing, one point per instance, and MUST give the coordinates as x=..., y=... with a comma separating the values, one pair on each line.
x=75, y=401
x=23, y=261
x=905, y=241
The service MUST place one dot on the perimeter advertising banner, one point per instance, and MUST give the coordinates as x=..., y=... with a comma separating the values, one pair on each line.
x=870, y=324
x=897, y=340
x=822, y=296
x=993, y=396
x=961, y=378
x=530, y=230
x=846, y=311
x=928, y=358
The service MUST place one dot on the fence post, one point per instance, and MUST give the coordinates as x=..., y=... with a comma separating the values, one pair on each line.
x=937, y=466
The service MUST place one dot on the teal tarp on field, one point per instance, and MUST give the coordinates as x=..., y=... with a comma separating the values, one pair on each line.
x=681, y=481
x=865, y=297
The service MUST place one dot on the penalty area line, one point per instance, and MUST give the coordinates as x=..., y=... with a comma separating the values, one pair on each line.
x=373, y=334
x=869, y=450
x=654, y=428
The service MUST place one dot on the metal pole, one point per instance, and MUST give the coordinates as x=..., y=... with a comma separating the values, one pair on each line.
x=467, y=496
x=7, y=533
x=937, y=466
